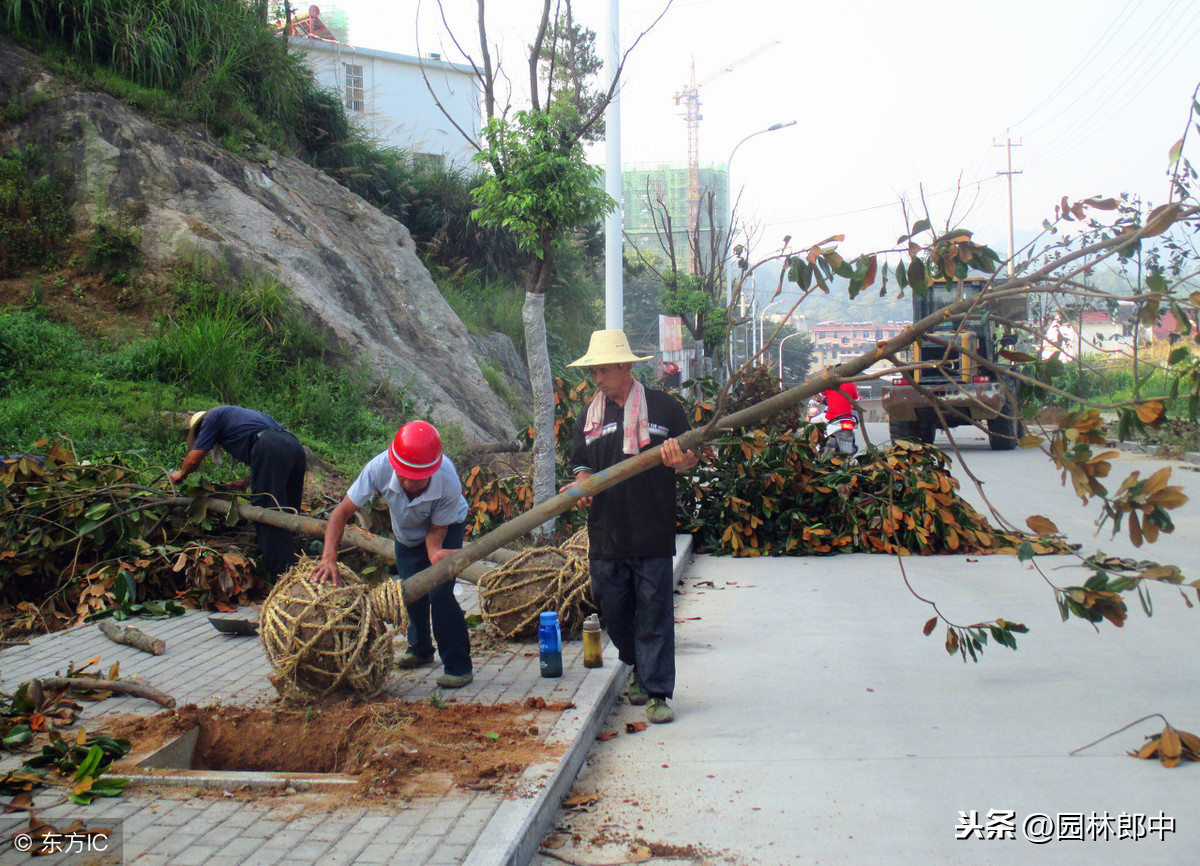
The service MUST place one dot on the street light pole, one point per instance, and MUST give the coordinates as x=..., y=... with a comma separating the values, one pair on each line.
x=781, y=342
x=729, y=211
x=762, y=318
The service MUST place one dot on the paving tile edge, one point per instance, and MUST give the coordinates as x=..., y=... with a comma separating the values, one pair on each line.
x=512, y=835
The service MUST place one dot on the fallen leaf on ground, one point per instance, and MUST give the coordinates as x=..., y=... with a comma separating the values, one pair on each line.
x=580, y=800
x=606, y=736
x=640, y=854
x=634, y=727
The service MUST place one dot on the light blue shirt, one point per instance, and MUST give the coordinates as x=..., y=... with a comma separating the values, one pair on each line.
x=441, y=503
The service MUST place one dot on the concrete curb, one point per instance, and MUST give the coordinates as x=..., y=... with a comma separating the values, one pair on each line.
x=1152, y=450
x=517, y=827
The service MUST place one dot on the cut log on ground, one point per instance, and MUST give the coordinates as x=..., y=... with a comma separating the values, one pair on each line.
x=117, y=687
x=133, y=637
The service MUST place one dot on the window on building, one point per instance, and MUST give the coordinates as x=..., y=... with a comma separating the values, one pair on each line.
x=354, y=87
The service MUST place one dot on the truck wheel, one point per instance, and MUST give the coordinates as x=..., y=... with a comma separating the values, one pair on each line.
x=927, y=429
x=1002, y=431
x=902, y=430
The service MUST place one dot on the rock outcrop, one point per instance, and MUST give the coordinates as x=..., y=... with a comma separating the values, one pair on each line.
x=353, y=270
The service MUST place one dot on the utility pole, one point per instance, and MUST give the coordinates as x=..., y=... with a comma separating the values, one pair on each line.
x=1008, y=145
x=614, y=286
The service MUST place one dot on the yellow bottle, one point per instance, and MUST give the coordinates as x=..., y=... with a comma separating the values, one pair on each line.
x=592, y=653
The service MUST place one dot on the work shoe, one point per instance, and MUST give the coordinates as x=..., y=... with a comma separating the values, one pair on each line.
x=637, y=692
x=658, y=712
x=455, y=681
x=410, y=662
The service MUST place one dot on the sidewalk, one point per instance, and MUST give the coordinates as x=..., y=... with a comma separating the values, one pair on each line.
x=163, y=825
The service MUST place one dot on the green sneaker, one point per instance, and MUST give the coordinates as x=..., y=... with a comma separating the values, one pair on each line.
x=658, y=712
x=452, y=681
x=410, y=662
x=637, y=692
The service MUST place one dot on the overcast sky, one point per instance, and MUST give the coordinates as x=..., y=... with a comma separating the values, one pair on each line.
x=888, y=96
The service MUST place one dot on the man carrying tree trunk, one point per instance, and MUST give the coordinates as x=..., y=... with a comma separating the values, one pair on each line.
x=277, y=465
x=631, y=526
x=429, y=519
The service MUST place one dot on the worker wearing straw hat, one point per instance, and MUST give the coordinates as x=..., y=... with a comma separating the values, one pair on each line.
x=631, y=525
x=277, y=465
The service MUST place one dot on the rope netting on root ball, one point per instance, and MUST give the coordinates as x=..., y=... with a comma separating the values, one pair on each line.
x=513, y=595
x=322, y=639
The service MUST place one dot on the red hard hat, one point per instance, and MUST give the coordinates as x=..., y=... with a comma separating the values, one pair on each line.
x=416, y=451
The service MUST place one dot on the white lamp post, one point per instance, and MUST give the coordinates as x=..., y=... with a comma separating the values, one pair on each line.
x=729, y=181
x=729, y=212
x=762, y=318
x=781, y=342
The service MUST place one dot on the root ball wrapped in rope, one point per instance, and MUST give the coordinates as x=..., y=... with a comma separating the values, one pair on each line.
x=321, y=638
x=512, y=596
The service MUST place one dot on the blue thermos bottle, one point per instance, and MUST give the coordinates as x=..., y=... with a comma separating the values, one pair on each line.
x=550, y=644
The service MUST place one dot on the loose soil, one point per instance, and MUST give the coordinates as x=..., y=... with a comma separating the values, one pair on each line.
x=393, y=747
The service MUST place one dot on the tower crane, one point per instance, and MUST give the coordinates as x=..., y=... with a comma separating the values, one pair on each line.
x=690, y=97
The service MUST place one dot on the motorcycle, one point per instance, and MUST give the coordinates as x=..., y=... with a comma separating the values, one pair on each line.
x=840, y=436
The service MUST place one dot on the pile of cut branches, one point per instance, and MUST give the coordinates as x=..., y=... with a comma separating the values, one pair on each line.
x=769, y=494
x=77, y=538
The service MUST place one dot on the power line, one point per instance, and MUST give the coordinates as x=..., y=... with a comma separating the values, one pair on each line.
x=1102, y=92
x=1097, y=46
x=1131, y=85
x=788, y=221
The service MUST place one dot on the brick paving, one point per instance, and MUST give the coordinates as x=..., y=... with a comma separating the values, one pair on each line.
x=166, y=825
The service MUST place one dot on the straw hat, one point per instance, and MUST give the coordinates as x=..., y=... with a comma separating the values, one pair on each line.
x=607, y=347
x=193, y=427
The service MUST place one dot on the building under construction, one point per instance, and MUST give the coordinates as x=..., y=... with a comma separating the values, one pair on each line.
x=651, y=194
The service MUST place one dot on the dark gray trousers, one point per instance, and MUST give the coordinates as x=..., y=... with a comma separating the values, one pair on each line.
x=637, y=602
x=277, y=466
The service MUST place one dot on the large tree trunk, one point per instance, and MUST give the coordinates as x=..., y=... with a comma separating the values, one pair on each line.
x=537, y=356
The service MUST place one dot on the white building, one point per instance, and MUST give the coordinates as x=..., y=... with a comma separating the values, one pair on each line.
x=386, y=95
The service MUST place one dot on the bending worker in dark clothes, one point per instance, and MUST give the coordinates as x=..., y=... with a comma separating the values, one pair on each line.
x=277, y=465
x=631, y=526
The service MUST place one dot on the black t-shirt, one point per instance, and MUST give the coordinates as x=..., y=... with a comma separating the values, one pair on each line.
x=636, y=518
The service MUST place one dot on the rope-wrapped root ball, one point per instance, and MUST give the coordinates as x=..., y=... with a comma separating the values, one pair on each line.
x=574, y=592
x=513, y=595
x=321, y=638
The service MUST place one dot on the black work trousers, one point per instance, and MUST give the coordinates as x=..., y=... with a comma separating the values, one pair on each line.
x=277, y=467
x=439, y=610
x=637, y=603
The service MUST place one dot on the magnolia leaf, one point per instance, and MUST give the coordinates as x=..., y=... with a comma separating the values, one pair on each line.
x=1041, y=525
x=1160, y=219
x=1175, y=152
x=1169, y=745
x=1149, y=411
x=930, y=626
x=1149, y=750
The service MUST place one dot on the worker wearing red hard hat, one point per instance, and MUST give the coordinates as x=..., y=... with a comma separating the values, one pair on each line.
x=429, y=515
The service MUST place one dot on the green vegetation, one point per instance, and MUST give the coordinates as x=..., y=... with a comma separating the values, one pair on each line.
x=220, y=342
x=218, y=63
x=236, y=75
x=33, y=212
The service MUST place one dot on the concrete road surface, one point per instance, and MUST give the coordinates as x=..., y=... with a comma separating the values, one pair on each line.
x=815, y=723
